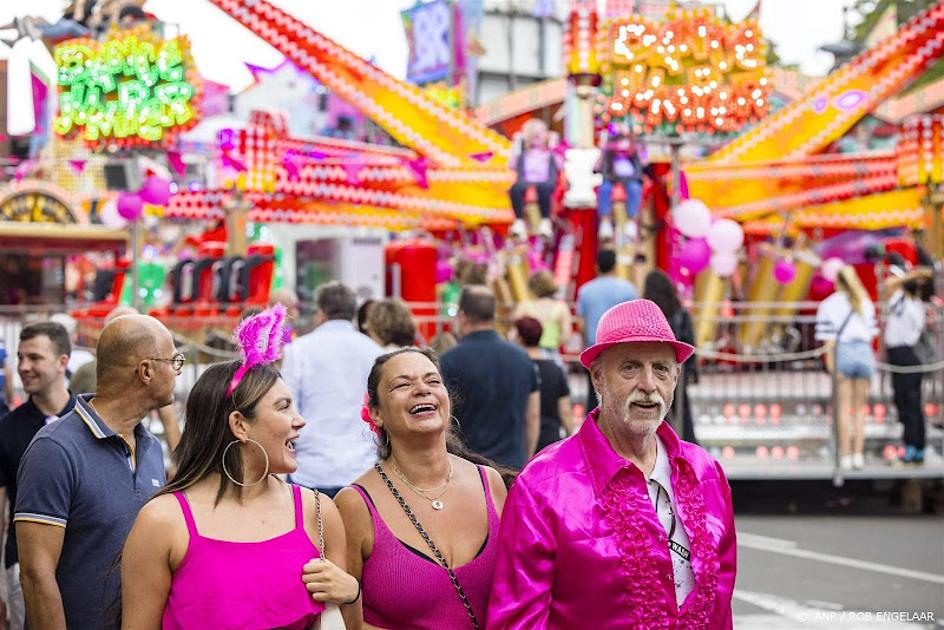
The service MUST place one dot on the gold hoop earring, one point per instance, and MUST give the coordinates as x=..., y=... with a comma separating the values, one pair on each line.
x=239, y=483
x=455, y=421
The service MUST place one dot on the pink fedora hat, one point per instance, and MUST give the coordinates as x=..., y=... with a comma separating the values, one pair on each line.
x=632, y=322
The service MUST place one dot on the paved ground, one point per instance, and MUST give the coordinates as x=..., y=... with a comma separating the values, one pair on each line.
x=821, y=571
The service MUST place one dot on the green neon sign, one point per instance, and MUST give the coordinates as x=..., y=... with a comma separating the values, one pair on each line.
x=134, y=90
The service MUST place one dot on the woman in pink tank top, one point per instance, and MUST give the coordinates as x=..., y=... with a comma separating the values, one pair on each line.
x=422, y=524
x=226, y=543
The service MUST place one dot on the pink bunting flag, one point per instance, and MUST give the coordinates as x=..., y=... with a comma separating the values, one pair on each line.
x=78, y=166
x=291, y=167
x=483, y=157
x=419, y=167
x=176, y=162
x=24, y=169
x=683, y=186
x=231, y=162
x=353, y=172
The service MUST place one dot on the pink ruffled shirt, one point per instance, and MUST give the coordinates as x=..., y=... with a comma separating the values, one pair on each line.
x=581, y=545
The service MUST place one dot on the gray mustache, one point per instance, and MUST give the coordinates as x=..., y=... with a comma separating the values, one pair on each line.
x=653, y=398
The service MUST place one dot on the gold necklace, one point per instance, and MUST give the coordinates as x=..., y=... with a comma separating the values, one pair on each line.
x=435, y=501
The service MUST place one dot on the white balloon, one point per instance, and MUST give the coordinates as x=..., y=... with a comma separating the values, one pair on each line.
x=724, y=264
x=692, y=218
x=725, y=236
x=108, y=213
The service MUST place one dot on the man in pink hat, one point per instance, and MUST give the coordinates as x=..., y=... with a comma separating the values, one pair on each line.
x=622, y=525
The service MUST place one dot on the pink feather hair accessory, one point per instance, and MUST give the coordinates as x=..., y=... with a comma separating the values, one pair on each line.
x=260, y=339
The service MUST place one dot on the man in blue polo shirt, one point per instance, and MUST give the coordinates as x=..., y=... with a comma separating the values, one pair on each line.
x=495, y=383
x=83, y=479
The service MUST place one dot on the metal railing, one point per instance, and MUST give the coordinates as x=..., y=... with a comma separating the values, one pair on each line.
x=764, y=398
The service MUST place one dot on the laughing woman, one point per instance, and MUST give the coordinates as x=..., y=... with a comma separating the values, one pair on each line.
x=423, y=522
x=223, y=545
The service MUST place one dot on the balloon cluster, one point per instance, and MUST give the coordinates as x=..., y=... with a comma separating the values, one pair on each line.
x=156, y=191
x=713, y=243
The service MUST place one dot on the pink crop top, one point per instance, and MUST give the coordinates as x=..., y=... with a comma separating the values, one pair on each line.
x=247, y=585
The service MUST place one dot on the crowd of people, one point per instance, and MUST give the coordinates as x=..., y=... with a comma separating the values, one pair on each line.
x=365, y=478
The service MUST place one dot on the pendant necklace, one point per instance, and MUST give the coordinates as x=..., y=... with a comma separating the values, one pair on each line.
x=435, y=501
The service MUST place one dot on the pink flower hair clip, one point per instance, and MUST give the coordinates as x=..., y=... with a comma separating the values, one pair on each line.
x=260, y=339
x=365, y=414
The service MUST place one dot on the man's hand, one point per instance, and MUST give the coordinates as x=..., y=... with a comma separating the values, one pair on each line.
x=328, y=583
x=3, y=615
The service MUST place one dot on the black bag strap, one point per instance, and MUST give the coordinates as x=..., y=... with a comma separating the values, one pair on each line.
x=844, y=322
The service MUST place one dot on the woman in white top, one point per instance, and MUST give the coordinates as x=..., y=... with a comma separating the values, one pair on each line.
x=906, y=321
x=845, y=321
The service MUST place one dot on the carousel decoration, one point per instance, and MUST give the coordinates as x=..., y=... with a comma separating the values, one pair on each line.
x=446, y=174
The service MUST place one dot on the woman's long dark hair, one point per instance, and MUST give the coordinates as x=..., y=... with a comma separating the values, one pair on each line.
x=207, y=433
x=454, y=444
x=659, y=289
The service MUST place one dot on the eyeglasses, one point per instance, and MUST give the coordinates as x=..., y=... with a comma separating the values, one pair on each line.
x=177, y=361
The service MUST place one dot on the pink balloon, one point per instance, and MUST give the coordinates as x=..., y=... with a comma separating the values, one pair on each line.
x=695, y=255
x=156, y=190
x=784, y=271
x=129, y=205
x=820, y=287
x=725, y=236
x=723, y=264
x=443, y=271
x=692, y=218
x=831, y=267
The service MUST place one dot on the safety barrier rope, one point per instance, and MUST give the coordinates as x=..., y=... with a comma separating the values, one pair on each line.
x=910, y=369
x=761, y=358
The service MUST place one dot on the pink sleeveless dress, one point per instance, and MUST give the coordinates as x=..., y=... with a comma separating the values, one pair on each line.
x=222, y=584
x=404, y=588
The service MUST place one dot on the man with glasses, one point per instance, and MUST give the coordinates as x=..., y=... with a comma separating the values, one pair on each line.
x=84, y=478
